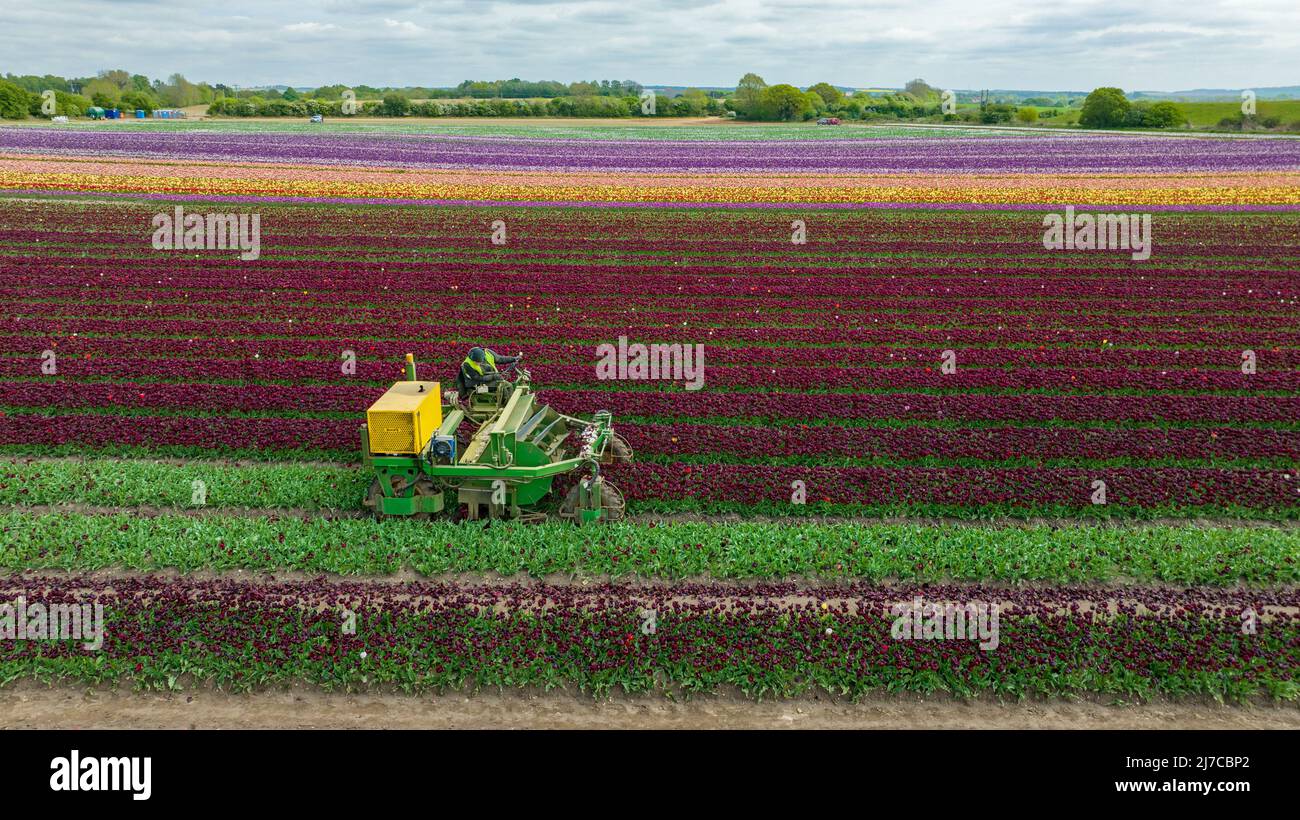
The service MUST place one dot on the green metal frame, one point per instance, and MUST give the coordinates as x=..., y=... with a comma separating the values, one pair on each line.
x=515, y=444
x=408, y=468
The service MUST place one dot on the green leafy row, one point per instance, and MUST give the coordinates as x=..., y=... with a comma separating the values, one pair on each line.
x=198, y=483
x=1184, y=554
x=338, y=489
x=123, y=483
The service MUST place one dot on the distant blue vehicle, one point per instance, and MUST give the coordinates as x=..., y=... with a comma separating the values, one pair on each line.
x=317, y=118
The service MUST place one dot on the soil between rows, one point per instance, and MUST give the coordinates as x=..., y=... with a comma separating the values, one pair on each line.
x=32, y=705
x=807, y=594
x=1114, y=590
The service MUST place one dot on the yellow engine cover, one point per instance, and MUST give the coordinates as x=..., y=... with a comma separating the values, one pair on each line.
x=404, y=418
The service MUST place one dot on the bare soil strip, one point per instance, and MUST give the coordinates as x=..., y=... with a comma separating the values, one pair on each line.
x=722, y=596
x=31, y=705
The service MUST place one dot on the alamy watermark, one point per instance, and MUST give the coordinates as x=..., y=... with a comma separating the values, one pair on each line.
x=179, y=231
x=102, y=774
x=24, y=620
x=921, y=620
x=676, y=362
x=1086, y=232
x=649, y=621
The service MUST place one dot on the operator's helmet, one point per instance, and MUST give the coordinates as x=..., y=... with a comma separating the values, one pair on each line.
x=476, y=355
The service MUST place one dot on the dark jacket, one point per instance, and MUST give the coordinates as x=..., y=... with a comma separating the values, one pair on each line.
x=472, y=373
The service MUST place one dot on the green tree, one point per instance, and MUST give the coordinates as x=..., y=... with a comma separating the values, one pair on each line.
x=996, y=112
x=329, y=92
x=74, y=105
x=783, y=103
x=1105, y=107
x=479, y=89
x=179, y=92
x=830, y=95
x=816, y=105
x=1027, y=114
x=749, y=95
x=119, y=78
x=31, y=82
x=694, y=102
x=133, y=100
x=1165, y=115
x=921, y=90
x=103, y=91
x=14, y=102
x=395, y=105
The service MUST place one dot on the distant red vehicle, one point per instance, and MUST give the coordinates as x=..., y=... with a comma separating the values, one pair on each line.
x=829, y=121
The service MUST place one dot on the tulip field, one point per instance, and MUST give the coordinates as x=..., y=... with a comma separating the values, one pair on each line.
x=906, y=396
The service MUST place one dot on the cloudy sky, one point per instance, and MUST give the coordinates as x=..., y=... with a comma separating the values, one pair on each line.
x=1051, y=45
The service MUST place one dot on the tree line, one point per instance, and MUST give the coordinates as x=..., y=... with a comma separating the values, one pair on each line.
x=20, y=95
x=752, y=99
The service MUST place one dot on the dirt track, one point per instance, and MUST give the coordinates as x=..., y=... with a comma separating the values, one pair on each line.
x=29, y=705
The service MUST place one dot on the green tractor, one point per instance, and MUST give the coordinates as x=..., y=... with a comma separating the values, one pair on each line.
x=513, y=455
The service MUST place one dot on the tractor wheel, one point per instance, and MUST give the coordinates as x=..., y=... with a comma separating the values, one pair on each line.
x=619, y=448
x=617, y=451
x=374, y=499
x=424, y=488
x=612, y=504
x=570, y=503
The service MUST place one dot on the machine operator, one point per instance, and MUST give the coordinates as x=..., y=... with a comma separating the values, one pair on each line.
x=480, y=367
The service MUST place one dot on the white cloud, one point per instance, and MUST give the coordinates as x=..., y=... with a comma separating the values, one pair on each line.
x=1069, y=44
x=310, y=28
x=405, y=26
